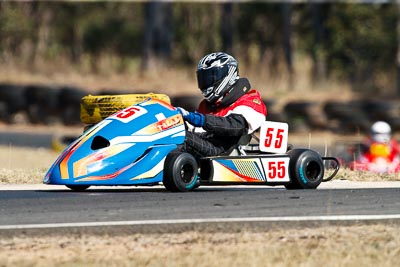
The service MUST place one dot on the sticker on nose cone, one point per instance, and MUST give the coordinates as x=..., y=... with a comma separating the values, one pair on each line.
x=129, y=114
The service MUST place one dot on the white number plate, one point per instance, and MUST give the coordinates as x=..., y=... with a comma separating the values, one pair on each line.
x=274, y=137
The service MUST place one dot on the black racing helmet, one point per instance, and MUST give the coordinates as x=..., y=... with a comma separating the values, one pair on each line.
x=216, y=74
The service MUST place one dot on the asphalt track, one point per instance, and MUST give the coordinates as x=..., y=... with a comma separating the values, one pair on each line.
x=24, y=139
x=42, y=206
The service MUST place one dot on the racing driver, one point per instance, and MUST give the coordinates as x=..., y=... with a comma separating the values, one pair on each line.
x=379, y=144
x=229, y=110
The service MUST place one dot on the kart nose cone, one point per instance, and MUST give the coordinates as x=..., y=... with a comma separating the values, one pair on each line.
x=52, y=176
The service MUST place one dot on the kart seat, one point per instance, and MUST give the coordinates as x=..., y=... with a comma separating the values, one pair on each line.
x=241, y=146
x=245, y=139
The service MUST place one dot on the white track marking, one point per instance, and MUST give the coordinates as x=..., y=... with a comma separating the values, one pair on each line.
x=209, y=220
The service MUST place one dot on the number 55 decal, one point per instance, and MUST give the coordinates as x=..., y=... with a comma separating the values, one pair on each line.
x=274, y=137
x=128, y=114
x=276, y=169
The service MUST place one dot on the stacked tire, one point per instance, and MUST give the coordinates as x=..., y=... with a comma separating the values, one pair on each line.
x=12, y=101
x=96, y=108
x=69, y=103
x=304, y=115
x=41, y=104
x=346, y=117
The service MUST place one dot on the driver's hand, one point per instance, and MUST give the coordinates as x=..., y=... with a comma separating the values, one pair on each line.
x=194, y=118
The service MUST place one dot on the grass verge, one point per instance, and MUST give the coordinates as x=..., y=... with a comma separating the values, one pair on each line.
x=358, y=245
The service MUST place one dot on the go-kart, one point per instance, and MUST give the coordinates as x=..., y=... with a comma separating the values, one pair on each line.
x=139, y=145
x=374, y=158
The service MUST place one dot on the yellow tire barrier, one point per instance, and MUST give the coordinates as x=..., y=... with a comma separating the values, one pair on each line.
x=96, y=108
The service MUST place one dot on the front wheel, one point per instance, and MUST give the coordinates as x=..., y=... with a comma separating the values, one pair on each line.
x=180, y=172
x=306, y=169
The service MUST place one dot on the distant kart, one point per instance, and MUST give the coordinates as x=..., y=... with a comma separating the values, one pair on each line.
x=375, y=158
x=139, y=145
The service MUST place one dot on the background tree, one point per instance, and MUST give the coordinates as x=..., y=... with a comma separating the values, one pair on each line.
x=361, y=43
x=318, y=55
x=357, y=43
x=398, y=50
x=197, y=31
x=157, y=33
x=287, y=40
x=227, y=28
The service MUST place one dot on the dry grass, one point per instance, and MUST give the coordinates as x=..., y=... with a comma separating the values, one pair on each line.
x=175, y=80
x=363, y=176
x=368, y=245
x=171, y=81
x=24, y=165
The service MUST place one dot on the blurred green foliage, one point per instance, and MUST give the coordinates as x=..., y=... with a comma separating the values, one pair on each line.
x=362, y=40
x=357, y=42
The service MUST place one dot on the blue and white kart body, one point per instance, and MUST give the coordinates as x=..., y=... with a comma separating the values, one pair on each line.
x=138, y=146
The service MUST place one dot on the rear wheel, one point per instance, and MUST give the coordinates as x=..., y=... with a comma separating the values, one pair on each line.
x=180, y=172
x=306, y=169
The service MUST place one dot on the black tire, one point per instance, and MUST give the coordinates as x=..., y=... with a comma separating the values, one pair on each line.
x=348, y=117
x=380, y=109
x=42, y=104
x=69, y=100
x=298, y=115
x=78, y=188
x=180, y=172
x=306, y=169
x=12, y=101
x=274, y=113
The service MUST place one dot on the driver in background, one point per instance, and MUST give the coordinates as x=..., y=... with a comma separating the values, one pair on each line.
x=379, y=143
x=229, y=110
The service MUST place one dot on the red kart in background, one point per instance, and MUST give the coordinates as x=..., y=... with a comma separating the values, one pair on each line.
x=376, y=157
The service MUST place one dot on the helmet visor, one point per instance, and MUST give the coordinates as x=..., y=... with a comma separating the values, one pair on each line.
x=206, y=78
x=381, y=138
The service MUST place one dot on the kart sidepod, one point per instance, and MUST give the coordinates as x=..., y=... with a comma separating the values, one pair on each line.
x=138, y=146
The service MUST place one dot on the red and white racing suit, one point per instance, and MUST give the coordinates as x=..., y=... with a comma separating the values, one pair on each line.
x=224, y=125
